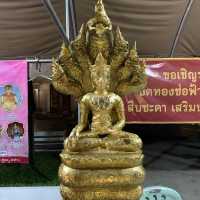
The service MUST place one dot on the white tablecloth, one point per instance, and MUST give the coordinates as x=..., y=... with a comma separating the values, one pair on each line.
x=30, y=193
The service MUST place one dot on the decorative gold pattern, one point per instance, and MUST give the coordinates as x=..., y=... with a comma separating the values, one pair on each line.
x=99, y=160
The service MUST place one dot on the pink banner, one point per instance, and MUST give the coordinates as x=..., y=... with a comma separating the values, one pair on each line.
x=13, y=112
x=171, y=96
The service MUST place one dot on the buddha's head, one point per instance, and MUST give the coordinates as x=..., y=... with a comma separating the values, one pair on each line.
x=8, y=89
x=100, y=74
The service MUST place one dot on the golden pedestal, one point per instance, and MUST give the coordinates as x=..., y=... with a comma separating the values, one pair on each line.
x=101, y=175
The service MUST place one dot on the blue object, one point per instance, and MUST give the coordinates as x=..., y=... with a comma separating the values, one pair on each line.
x=160, y=193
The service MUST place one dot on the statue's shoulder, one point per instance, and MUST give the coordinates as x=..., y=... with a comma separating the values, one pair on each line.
x=116, y=97
x=86, y=97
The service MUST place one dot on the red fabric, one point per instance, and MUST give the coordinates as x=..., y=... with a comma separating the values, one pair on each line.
x=19, y=160
x=171, y=96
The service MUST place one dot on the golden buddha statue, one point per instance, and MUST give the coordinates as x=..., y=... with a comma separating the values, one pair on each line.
x=99, y=160
x=103, y=105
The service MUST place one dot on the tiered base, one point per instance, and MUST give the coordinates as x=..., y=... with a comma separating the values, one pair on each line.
x=101, y=175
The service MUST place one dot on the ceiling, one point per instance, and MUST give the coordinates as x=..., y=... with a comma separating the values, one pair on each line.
x=26, y=29
x=162, y=28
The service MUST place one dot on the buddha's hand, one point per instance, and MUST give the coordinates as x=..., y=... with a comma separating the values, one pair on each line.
x=112, y=131
x=115, y=132
x=76, y=131
x=79, y=130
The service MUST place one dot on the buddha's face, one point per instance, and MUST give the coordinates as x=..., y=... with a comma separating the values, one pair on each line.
x=100, y=74
x=101, y=81
x=8, y=90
